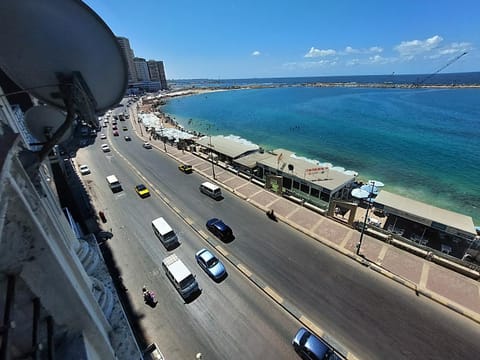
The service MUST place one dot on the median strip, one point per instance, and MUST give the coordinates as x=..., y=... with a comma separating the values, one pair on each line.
x=244, y=270
x=273, y=294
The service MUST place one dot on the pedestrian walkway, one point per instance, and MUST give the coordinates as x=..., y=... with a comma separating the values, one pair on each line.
x=447, y=287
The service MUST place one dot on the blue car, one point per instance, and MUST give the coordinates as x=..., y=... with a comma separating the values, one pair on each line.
x=210, y=263
x=310, y=347
x=220, y=229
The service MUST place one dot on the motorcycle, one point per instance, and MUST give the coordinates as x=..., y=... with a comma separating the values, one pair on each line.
x=271, y=215
x=149, y=297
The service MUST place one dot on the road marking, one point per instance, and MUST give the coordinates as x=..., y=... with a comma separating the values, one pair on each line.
x=221, y=250
x=202, y=234
x=177, y=210
x=189, y=221
x=273, y=294
x=244, y=270
x=308, y=323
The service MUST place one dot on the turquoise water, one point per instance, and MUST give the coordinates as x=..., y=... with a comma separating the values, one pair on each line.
x=422, y=143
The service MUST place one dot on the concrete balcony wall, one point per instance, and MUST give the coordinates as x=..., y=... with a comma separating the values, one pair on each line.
x=39, y=247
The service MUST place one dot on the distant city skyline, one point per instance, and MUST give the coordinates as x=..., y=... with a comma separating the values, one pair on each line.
x=221, y=40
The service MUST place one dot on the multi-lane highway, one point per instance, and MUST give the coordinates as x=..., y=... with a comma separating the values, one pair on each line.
x=369, y=315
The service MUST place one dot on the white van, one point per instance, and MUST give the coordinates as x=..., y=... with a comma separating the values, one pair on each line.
x=183, y=280
x=114, y=184
x=164, y=232
x=211, y=190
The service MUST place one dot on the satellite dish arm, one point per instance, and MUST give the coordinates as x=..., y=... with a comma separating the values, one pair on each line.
x=78, y=99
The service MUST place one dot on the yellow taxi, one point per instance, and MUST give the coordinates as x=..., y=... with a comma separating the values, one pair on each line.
x=142, y=191
x=187, y=169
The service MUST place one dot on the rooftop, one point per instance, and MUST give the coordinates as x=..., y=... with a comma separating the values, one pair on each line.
x=230, y=147
x=425, y=211
x=302, y=168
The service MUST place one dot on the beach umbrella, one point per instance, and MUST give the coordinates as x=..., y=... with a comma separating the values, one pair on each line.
x=350, y=172
x=370, y=189
x=376, y=183
x=360, y=193
x=338, y=168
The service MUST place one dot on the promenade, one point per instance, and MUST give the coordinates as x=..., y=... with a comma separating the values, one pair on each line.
x=449, y=288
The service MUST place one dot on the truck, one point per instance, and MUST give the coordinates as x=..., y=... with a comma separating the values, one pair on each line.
x=114, y=184
x=183, y=280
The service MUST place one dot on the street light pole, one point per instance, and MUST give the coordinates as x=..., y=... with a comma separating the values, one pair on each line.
x=163, y=139
x=359, y=245
x=211, y=157
x=369, y=198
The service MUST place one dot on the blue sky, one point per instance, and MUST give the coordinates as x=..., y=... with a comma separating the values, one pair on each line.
x=264, y=38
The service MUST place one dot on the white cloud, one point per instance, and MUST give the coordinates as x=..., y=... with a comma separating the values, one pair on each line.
x=411, y=48
x=371, y=50
x=350, y=50
x=319, y=53
x=310, y=64
x=375, y=49
x=256, y=53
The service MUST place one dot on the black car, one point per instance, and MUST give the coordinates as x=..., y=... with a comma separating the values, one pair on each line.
x=128, y=138
x=220, y=229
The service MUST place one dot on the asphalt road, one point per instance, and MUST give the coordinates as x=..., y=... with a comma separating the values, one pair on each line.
x=229, y=320
x=369, y=315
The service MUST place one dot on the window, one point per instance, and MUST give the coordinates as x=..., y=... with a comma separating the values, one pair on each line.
x=287, y=183
x=296, y=185
x=305, y=188
x=314, y=192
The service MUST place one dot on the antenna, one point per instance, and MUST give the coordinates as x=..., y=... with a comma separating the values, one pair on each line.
x=62, y=53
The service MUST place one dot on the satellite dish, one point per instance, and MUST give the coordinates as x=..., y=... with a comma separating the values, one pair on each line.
x=44, y=41
x=43, y=121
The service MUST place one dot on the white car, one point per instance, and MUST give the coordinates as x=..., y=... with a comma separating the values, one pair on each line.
x=84, y=170
x=105, y=148
x=103, y=136
x=147, y=145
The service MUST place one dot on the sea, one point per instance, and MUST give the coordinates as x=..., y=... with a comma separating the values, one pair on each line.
x=422, y=143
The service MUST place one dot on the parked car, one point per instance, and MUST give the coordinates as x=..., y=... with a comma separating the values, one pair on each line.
x=147, y=145
x=127, y=138
x=84, y=170
x=114, y=127
x=105, y=148
x=310, y=347
x=142, y=191
x=221, y=230
x=124, y=128
x=103, y=136
x=115, y=133
x=210, y=264
x=187, y=169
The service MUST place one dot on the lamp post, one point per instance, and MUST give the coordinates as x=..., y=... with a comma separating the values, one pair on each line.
x=362, y=193
x=163, y=139
x=211, y=157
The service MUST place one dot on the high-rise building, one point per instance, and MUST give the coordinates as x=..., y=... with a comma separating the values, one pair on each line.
x=157, y=73
x=141, y=69
x=129, y=56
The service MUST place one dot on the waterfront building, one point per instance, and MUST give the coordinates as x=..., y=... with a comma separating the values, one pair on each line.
x=141, y=69
x=129, y=56
x=439, y=229
x=157, y=73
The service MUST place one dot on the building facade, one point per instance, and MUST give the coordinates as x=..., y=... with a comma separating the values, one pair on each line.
x=56, y=295
x=129, y=56
x=141, y=69
x=157, y=73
